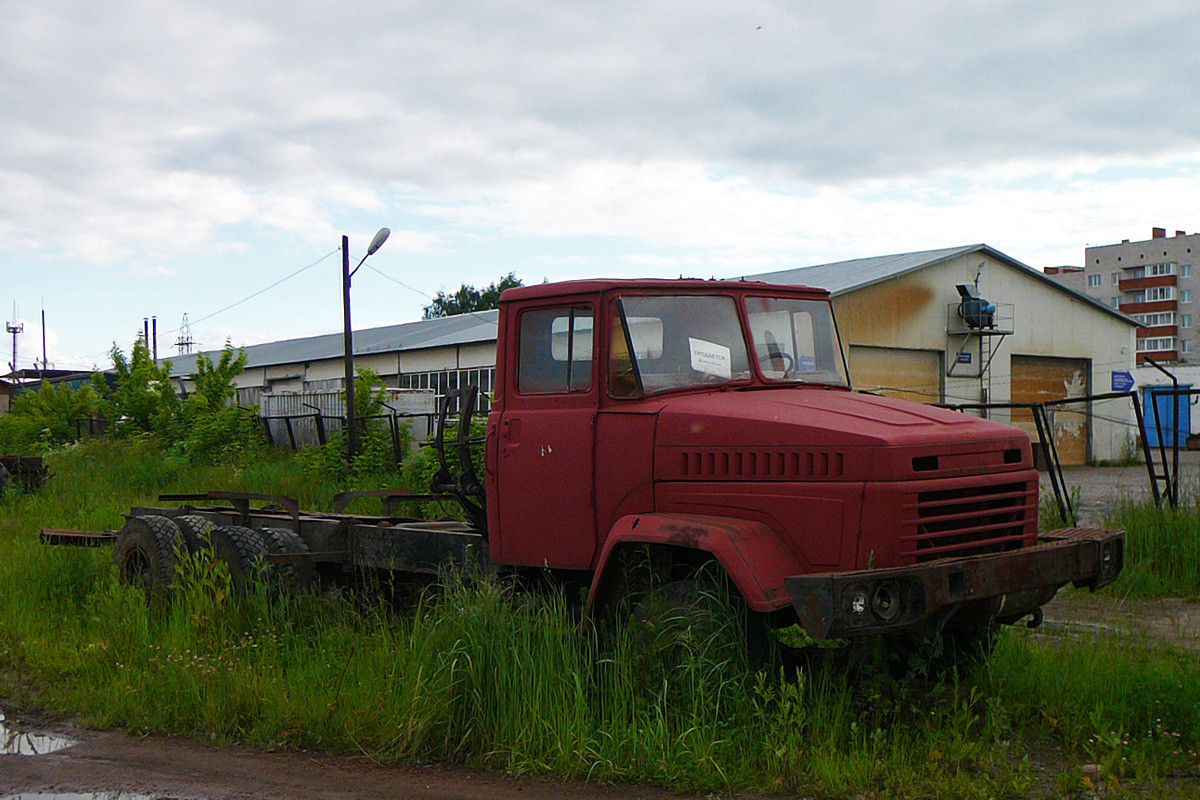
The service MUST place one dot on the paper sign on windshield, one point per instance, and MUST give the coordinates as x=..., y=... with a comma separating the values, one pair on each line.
x=710, y=358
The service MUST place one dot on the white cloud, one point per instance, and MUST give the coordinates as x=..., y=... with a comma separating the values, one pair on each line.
x=699, y=136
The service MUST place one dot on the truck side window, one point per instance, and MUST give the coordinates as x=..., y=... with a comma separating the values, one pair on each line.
x=555, y=351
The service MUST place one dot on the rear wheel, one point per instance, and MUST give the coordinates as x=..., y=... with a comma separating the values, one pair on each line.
x=145, y=554
x=280, y=541
x=195, y=530
x=243, y=551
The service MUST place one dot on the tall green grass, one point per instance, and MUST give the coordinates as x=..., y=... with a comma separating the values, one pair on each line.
x=478, y=673
x=1162, y=549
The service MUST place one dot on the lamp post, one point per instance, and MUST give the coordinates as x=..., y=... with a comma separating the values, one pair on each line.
x=348, y=334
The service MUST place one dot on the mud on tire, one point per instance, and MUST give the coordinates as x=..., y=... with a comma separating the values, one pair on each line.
x=146, y=554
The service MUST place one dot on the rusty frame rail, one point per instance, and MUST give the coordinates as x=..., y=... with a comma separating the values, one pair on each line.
x=391, y=498
x=59, y=536
x=241, y=502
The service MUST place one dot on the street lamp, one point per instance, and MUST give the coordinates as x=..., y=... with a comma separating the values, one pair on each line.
x=348, y=334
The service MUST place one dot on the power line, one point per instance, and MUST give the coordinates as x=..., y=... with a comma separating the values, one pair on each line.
x=261, y=291
x=398, y=282
x=427, y=297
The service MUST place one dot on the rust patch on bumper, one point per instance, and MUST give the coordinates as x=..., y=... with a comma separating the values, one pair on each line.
x=1001, y=586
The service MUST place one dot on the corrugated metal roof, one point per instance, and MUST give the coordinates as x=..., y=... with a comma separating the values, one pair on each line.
x=479, y=326
x=847, y=276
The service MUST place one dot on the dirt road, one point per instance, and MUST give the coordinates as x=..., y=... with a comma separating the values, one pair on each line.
x=103, y=763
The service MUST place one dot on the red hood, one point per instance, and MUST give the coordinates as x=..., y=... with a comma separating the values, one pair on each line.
x=815, y=418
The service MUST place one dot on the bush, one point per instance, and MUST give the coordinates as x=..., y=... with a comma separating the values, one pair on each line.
x=222, y=436
x=376, y=460
x=41, y=420
x=420, y=469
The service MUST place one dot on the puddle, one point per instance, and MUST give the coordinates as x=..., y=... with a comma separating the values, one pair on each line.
x=15, y=743
x=81, y=796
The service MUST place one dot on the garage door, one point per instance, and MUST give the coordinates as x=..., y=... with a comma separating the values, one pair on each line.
x=1036, y=379
x=908, y=374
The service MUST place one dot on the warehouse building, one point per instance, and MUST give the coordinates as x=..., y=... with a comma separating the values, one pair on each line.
x=901, y=317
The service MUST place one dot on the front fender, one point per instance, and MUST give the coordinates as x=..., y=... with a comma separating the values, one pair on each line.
x=752, y=554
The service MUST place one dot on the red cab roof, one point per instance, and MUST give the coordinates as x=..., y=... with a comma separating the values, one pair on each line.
x=687, y=285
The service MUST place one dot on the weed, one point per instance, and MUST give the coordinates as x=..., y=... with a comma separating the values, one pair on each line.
x=1162, y=549
x=476, y=672
x=1050, y=515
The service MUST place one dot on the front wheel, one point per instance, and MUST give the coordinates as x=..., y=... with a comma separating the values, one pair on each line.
x=701, y=616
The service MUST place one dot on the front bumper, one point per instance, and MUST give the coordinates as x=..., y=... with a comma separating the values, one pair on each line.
x=1002, y=587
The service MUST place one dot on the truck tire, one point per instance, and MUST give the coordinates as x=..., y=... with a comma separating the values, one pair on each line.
x=194, y=529
x=701, y=615
x=146, y=555
x=280, y=541
x=242, y=550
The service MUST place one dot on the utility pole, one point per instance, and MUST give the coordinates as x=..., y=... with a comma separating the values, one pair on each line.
x=348, y=352
x=348, y=335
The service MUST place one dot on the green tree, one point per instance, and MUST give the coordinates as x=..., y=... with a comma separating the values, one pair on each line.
x=214, y=383
x=214, y=430
x=370, y=397
x=468, y=298
x=143, y=399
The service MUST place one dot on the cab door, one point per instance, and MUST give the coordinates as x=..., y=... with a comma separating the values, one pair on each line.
x=546, y=446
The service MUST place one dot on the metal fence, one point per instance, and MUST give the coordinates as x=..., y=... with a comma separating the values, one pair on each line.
x=1162, y=467
x=309, y=418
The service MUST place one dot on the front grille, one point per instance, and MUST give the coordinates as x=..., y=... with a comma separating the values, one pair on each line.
x=967, y=521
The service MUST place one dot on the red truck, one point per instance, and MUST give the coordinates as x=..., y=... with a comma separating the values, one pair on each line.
x=702, y=425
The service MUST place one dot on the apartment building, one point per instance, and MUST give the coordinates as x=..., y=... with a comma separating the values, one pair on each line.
x=1154, y=281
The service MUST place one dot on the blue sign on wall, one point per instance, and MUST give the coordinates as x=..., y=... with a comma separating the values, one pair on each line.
x=1121, y=381
x=964, y=358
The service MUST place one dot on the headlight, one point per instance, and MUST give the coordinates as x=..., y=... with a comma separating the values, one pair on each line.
x=886, y=602
x=856, y=601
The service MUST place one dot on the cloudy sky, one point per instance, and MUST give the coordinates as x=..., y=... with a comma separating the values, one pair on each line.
x=162, y=159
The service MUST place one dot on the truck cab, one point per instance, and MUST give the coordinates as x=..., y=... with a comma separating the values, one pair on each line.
x=717, y=420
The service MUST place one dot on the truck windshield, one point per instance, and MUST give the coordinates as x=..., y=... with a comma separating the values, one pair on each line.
x=795, y=341
x=665, y=342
